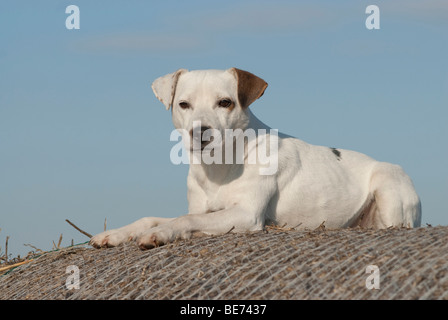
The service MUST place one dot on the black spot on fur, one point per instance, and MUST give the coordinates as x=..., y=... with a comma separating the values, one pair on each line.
x=337, y=153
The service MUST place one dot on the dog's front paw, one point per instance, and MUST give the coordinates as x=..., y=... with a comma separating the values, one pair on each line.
x=110, y=238
x=155, y=237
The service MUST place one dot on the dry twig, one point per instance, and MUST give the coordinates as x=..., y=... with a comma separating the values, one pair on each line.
x=59, y=242
x=82, y=231
x=29, y=245
x=6, y=248
x=231, y=229
x=15, y=265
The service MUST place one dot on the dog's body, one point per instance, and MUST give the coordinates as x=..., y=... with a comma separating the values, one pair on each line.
x=311, y=184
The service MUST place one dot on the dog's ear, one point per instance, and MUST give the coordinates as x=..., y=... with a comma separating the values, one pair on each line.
x=165, y=87
x=250, y=87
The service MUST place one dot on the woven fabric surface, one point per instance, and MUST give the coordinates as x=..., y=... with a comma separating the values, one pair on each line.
x=277, y=264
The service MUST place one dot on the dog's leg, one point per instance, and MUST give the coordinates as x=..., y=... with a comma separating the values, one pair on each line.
x=215, y=223
x=396, y=202
x=114, y=237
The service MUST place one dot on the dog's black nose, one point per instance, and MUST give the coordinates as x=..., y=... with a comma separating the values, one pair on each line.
x=201, y=137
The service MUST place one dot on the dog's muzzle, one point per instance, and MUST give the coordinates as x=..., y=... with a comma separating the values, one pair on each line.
x=200, y=137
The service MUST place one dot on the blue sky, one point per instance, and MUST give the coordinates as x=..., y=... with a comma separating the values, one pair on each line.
x=82, y=137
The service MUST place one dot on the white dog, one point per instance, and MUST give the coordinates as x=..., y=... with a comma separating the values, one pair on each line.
x=310, y=184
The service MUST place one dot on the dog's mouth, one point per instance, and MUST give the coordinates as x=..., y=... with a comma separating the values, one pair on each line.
x=199, y=145
x=201, y=138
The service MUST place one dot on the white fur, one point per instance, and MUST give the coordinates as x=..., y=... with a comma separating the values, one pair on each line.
x=313, y=184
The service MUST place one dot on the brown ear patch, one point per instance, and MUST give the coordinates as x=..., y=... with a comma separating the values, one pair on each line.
x=250, y=87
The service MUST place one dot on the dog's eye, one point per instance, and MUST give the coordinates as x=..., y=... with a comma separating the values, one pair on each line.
x=225, y=103
x=184, y=105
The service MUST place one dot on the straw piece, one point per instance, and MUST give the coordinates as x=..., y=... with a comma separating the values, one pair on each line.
x=82, y=231
x=15, y=265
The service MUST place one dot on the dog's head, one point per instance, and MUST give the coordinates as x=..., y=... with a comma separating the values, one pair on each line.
x=209, y=99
